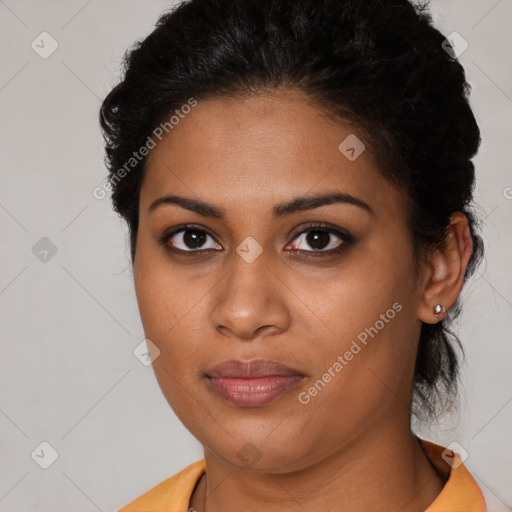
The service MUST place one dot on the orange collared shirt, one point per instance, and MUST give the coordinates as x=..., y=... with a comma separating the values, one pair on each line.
x=460, y=493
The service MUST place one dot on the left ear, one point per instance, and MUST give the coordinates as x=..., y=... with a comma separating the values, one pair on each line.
x=445, y=270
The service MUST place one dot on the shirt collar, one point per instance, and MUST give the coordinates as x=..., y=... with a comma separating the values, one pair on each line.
x=460, y=493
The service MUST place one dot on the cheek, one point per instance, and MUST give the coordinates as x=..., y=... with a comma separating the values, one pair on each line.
x=162, y=304
x=173, y=307
x=161, y=297
x=369, y=310
x=354, y=298
x=170, y=313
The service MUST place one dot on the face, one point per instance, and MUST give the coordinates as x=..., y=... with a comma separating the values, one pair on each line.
x=241, y=265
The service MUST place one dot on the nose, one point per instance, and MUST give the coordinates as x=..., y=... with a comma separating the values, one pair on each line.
x=251, y=300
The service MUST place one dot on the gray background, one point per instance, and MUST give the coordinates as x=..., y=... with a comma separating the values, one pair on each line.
x=69, y=325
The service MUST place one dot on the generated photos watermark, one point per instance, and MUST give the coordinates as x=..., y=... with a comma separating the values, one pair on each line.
x=305, y=397
x=101, y=191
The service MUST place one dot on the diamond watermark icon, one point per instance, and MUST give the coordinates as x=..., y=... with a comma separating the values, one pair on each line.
x=44, y=455
x=454, y=454
x=249, y=249
x=455, y=45
x=44, y=45
x=352, y=147
x=146, y=352
x=44, y=250
x=249, y=454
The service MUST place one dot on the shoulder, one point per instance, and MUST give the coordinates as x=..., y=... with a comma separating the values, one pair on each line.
x=171, y=495
x=460, y=492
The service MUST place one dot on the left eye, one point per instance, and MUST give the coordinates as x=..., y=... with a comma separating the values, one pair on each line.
x=320, y=240
x=191, y=240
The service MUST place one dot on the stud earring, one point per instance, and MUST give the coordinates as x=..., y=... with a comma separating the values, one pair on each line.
x=438, y=309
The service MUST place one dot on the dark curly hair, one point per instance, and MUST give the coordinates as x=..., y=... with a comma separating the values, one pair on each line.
x=378, y=63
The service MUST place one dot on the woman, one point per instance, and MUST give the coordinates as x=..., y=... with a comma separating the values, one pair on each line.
x=296, y=177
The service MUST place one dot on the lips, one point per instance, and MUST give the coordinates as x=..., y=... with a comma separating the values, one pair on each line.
x=252, y=383
x=251, y=369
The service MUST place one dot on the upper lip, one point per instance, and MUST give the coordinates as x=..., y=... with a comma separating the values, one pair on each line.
x=250, y=369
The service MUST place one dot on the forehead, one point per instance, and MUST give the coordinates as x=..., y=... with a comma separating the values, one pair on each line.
x=254, y=152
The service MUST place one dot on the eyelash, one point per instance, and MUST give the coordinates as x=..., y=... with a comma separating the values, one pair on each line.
x=346, y=239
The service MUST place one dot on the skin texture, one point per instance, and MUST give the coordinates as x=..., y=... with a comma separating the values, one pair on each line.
x=352, y=439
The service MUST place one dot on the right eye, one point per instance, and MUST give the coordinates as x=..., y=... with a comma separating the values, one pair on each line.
x=189, y=239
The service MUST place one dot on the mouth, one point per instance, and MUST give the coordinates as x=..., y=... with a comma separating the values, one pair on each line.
x=252, y=383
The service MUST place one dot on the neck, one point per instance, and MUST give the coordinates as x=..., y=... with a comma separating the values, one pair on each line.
x=384, y=469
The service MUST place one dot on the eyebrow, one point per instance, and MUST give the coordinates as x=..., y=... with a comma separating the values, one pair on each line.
x=296, y=204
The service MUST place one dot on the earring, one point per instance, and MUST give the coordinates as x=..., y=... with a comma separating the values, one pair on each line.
x=438, y=309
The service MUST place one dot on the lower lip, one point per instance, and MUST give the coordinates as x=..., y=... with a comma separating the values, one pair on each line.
x=253, y=392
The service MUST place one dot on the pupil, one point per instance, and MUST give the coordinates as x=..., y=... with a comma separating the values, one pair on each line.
x=315, y=236
x=196, y=238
